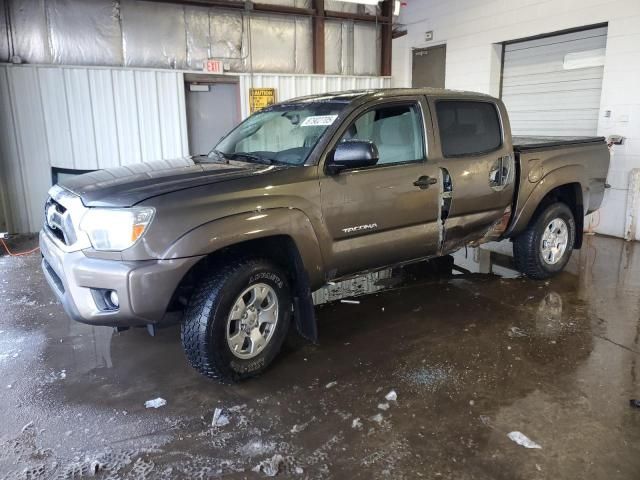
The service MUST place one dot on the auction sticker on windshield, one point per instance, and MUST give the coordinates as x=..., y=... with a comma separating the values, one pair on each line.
x=318, y=120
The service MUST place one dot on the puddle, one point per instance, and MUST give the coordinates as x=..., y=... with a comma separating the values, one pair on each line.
x=431, y=378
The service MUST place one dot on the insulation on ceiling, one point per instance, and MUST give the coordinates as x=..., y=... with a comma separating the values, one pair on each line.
x=85, y=33
x=137, y=33
x=153, y=35
x=229, y=39
x=29, y=26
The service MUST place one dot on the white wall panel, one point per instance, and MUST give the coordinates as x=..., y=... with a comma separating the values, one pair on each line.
x=104, y=118
x=124, y=96
x=173, y=139
x=81, y=118
x=148, y=116
x=11, y=184
x=56, y=115
x=31, y=135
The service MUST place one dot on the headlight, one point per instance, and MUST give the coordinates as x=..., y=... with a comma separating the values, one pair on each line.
x=115, y=228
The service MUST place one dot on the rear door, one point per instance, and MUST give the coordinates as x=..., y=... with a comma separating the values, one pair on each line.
x=378, y=216
x=476, y=159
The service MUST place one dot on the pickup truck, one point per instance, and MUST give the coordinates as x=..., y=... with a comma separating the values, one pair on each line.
x=305, y=192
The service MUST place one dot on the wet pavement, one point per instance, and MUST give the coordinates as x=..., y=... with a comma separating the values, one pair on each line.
x=472, y=355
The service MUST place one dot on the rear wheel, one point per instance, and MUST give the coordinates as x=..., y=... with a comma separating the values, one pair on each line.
x=237, y=320
x=545, y=247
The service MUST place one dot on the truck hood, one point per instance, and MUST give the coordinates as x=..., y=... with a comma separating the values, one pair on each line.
x=131, y=184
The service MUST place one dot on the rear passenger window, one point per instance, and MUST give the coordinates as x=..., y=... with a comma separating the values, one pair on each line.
x=468, y=128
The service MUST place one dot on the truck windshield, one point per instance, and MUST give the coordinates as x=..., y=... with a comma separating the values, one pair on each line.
x=284, y=134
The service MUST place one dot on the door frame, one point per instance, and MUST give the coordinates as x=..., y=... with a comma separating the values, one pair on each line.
x=209, y=79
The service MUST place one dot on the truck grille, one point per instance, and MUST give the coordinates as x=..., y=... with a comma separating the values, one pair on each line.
x=58, y=222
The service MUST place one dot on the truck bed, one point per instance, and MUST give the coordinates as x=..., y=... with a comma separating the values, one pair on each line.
x=582, y=161
x=526, y=143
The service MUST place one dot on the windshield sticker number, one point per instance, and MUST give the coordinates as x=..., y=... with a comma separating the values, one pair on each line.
x=318, y=120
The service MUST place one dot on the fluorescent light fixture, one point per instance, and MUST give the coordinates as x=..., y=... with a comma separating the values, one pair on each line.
x=362, y=2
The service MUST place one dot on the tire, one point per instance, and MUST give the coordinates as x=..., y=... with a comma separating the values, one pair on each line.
x=210, y=327
x=536, y=259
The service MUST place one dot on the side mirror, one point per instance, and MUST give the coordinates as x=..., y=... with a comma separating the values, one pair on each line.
x=352, y=154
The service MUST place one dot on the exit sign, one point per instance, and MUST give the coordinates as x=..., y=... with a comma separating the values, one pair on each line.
x=213, y=66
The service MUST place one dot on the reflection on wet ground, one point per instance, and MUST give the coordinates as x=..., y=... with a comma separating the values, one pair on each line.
x=473, y=352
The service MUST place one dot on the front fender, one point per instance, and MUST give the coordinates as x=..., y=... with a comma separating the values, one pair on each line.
x=235, y=229
x=526, y=205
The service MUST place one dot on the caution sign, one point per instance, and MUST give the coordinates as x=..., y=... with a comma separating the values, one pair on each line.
x=260, y=98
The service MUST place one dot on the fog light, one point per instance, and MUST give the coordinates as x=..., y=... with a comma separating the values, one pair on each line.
x=113, y=298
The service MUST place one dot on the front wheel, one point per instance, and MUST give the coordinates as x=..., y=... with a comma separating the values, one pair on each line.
x=544, y=248
x=237, y=320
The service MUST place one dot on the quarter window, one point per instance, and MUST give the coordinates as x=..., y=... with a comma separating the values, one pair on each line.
x=468, y=128
x=396, y=130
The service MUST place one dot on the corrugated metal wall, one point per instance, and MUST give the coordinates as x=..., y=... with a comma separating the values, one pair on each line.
x=90, y=118
x=81, y=118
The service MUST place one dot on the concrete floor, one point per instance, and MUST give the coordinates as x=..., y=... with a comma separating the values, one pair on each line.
x=472, y=357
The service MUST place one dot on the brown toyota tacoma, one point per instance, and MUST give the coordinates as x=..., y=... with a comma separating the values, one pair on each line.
x=305, y=192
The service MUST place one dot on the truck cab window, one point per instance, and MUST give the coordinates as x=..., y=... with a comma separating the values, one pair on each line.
x=284, y=133
x=396, y=130
x=468, y=127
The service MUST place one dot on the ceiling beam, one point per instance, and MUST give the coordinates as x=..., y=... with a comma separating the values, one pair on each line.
x=387, y=38
x=263, y=7
x=279, y=9
x=358, y=17
x=256, y=7
x=318, y=37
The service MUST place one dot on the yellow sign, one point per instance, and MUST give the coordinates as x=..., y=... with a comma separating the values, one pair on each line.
x=260, y=98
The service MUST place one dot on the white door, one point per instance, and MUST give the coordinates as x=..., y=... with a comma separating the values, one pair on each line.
x=551, y=86
x=212, y=111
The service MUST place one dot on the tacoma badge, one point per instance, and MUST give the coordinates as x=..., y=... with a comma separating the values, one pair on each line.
x=358, y=228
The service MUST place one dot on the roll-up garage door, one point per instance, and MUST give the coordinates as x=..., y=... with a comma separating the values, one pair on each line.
x=552, y=85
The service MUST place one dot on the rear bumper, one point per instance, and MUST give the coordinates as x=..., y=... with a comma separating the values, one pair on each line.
x=144, y=287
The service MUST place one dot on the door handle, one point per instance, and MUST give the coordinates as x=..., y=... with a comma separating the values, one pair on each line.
x=424, y=181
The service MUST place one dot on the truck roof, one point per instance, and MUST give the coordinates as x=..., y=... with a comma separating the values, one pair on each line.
x=369, y=94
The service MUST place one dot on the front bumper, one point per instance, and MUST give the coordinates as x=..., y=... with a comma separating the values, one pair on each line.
x=144, y=287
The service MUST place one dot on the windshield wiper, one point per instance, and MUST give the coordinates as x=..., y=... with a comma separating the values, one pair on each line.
x=249, y=157
x=214, y=156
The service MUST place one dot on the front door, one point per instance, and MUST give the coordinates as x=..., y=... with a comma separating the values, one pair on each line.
x=387, y=213
x=477, y=163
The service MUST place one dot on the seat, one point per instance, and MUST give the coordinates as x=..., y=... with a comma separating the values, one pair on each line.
x=395, y=139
